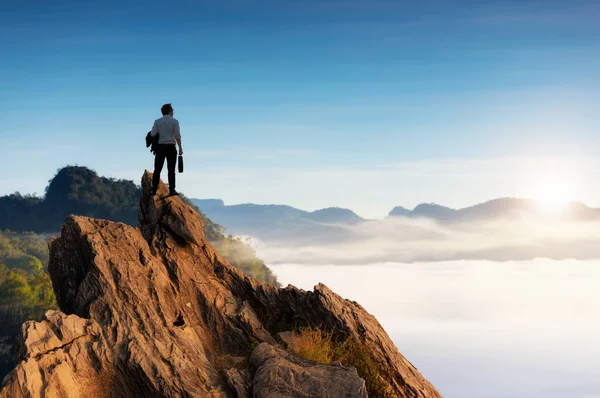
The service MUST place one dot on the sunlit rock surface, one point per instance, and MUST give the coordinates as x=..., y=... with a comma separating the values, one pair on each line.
x=157, y=312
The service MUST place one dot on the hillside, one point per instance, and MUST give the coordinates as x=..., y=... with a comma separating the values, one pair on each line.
x=158, y=312
x=25, y=289
x=81, y=191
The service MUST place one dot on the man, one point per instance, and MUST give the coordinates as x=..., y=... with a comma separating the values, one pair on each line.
x=167, y=128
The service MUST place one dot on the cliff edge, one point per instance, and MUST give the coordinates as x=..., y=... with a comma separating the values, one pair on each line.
x=155, y=311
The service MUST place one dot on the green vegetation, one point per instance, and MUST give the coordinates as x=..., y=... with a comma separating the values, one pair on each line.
x=317, y=345
x=236, y=251
x=79, y=190
x=241, y=255
x=25, y=288
x=74, y=190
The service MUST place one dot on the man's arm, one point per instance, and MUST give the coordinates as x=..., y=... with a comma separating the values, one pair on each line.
x=154, y=130
x=178, y=137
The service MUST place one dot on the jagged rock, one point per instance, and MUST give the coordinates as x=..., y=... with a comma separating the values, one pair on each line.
x=240, y=381
x=157, y=312
x=49, y=351
x=282, y=374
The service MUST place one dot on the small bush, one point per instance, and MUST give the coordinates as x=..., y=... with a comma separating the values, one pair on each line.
x=352, y=353
x=320, y=346
x=313, y=344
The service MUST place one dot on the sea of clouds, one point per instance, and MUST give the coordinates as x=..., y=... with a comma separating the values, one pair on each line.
x=490, y=309
x=481, y=329
x=407, y=240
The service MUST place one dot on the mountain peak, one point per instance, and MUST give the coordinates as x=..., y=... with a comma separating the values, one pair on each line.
x=334, y=214
x=433, y=210
x=156, y=311
x=208, y=203
x=399, y=211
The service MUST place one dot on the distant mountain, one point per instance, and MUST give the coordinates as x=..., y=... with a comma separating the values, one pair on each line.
x=494, y=209
x=274, y=213
x=399, y=211
x=208, y=203
x=499, y=208
x=334, y=215
x=286, y=223
x=278, y=221
x=431, y=210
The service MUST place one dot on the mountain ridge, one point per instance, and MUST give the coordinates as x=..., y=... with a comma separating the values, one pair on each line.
x=283, y=222
x=155, y=311
x=425, y=209
x=497, y=208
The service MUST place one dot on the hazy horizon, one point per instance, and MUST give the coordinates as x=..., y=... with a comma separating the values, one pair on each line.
x=550, y=212
x=359, y=104
x=380, y=213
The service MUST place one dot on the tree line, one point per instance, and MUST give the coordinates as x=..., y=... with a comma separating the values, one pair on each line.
x=79, y=190
x=25, y=287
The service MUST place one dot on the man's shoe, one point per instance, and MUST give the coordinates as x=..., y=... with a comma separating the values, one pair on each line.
x=173, y=193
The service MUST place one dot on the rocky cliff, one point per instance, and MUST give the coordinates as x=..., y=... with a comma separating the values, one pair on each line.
x=157, y=312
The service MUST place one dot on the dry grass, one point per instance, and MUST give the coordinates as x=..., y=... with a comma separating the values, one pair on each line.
x=313, y=344
x=320, y=346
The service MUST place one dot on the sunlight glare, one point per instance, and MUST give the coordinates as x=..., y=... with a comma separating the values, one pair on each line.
x=553, y=193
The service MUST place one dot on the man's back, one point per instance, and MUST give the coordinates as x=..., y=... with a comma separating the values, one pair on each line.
x=168, y=129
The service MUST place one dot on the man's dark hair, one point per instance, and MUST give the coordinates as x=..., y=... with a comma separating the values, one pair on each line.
x=166, y=109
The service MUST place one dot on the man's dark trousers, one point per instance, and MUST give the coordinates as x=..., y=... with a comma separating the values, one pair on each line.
x=169, y=152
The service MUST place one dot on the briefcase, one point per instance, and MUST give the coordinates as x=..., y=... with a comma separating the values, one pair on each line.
x=180, y=163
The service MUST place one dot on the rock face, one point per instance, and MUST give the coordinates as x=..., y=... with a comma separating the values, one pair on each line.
x=280, y=373
x=157, y=312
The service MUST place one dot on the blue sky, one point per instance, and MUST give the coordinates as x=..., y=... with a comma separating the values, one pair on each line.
x=355, y=103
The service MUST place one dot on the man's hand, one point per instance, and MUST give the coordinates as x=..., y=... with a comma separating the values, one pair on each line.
x=180, y=151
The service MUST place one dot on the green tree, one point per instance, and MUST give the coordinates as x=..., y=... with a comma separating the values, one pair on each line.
x=79, y=190
x=25, y=262
x=238, y=253
x=25, y=288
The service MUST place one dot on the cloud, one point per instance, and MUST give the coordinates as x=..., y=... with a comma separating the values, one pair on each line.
x=480, y=328
x=416, y=240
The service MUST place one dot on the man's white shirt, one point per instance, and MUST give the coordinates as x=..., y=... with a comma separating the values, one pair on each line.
x=168, y=128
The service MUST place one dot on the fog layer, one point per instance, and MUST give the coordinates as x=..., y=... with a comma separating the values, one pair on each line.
x=410, y=240
x=480, y=329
